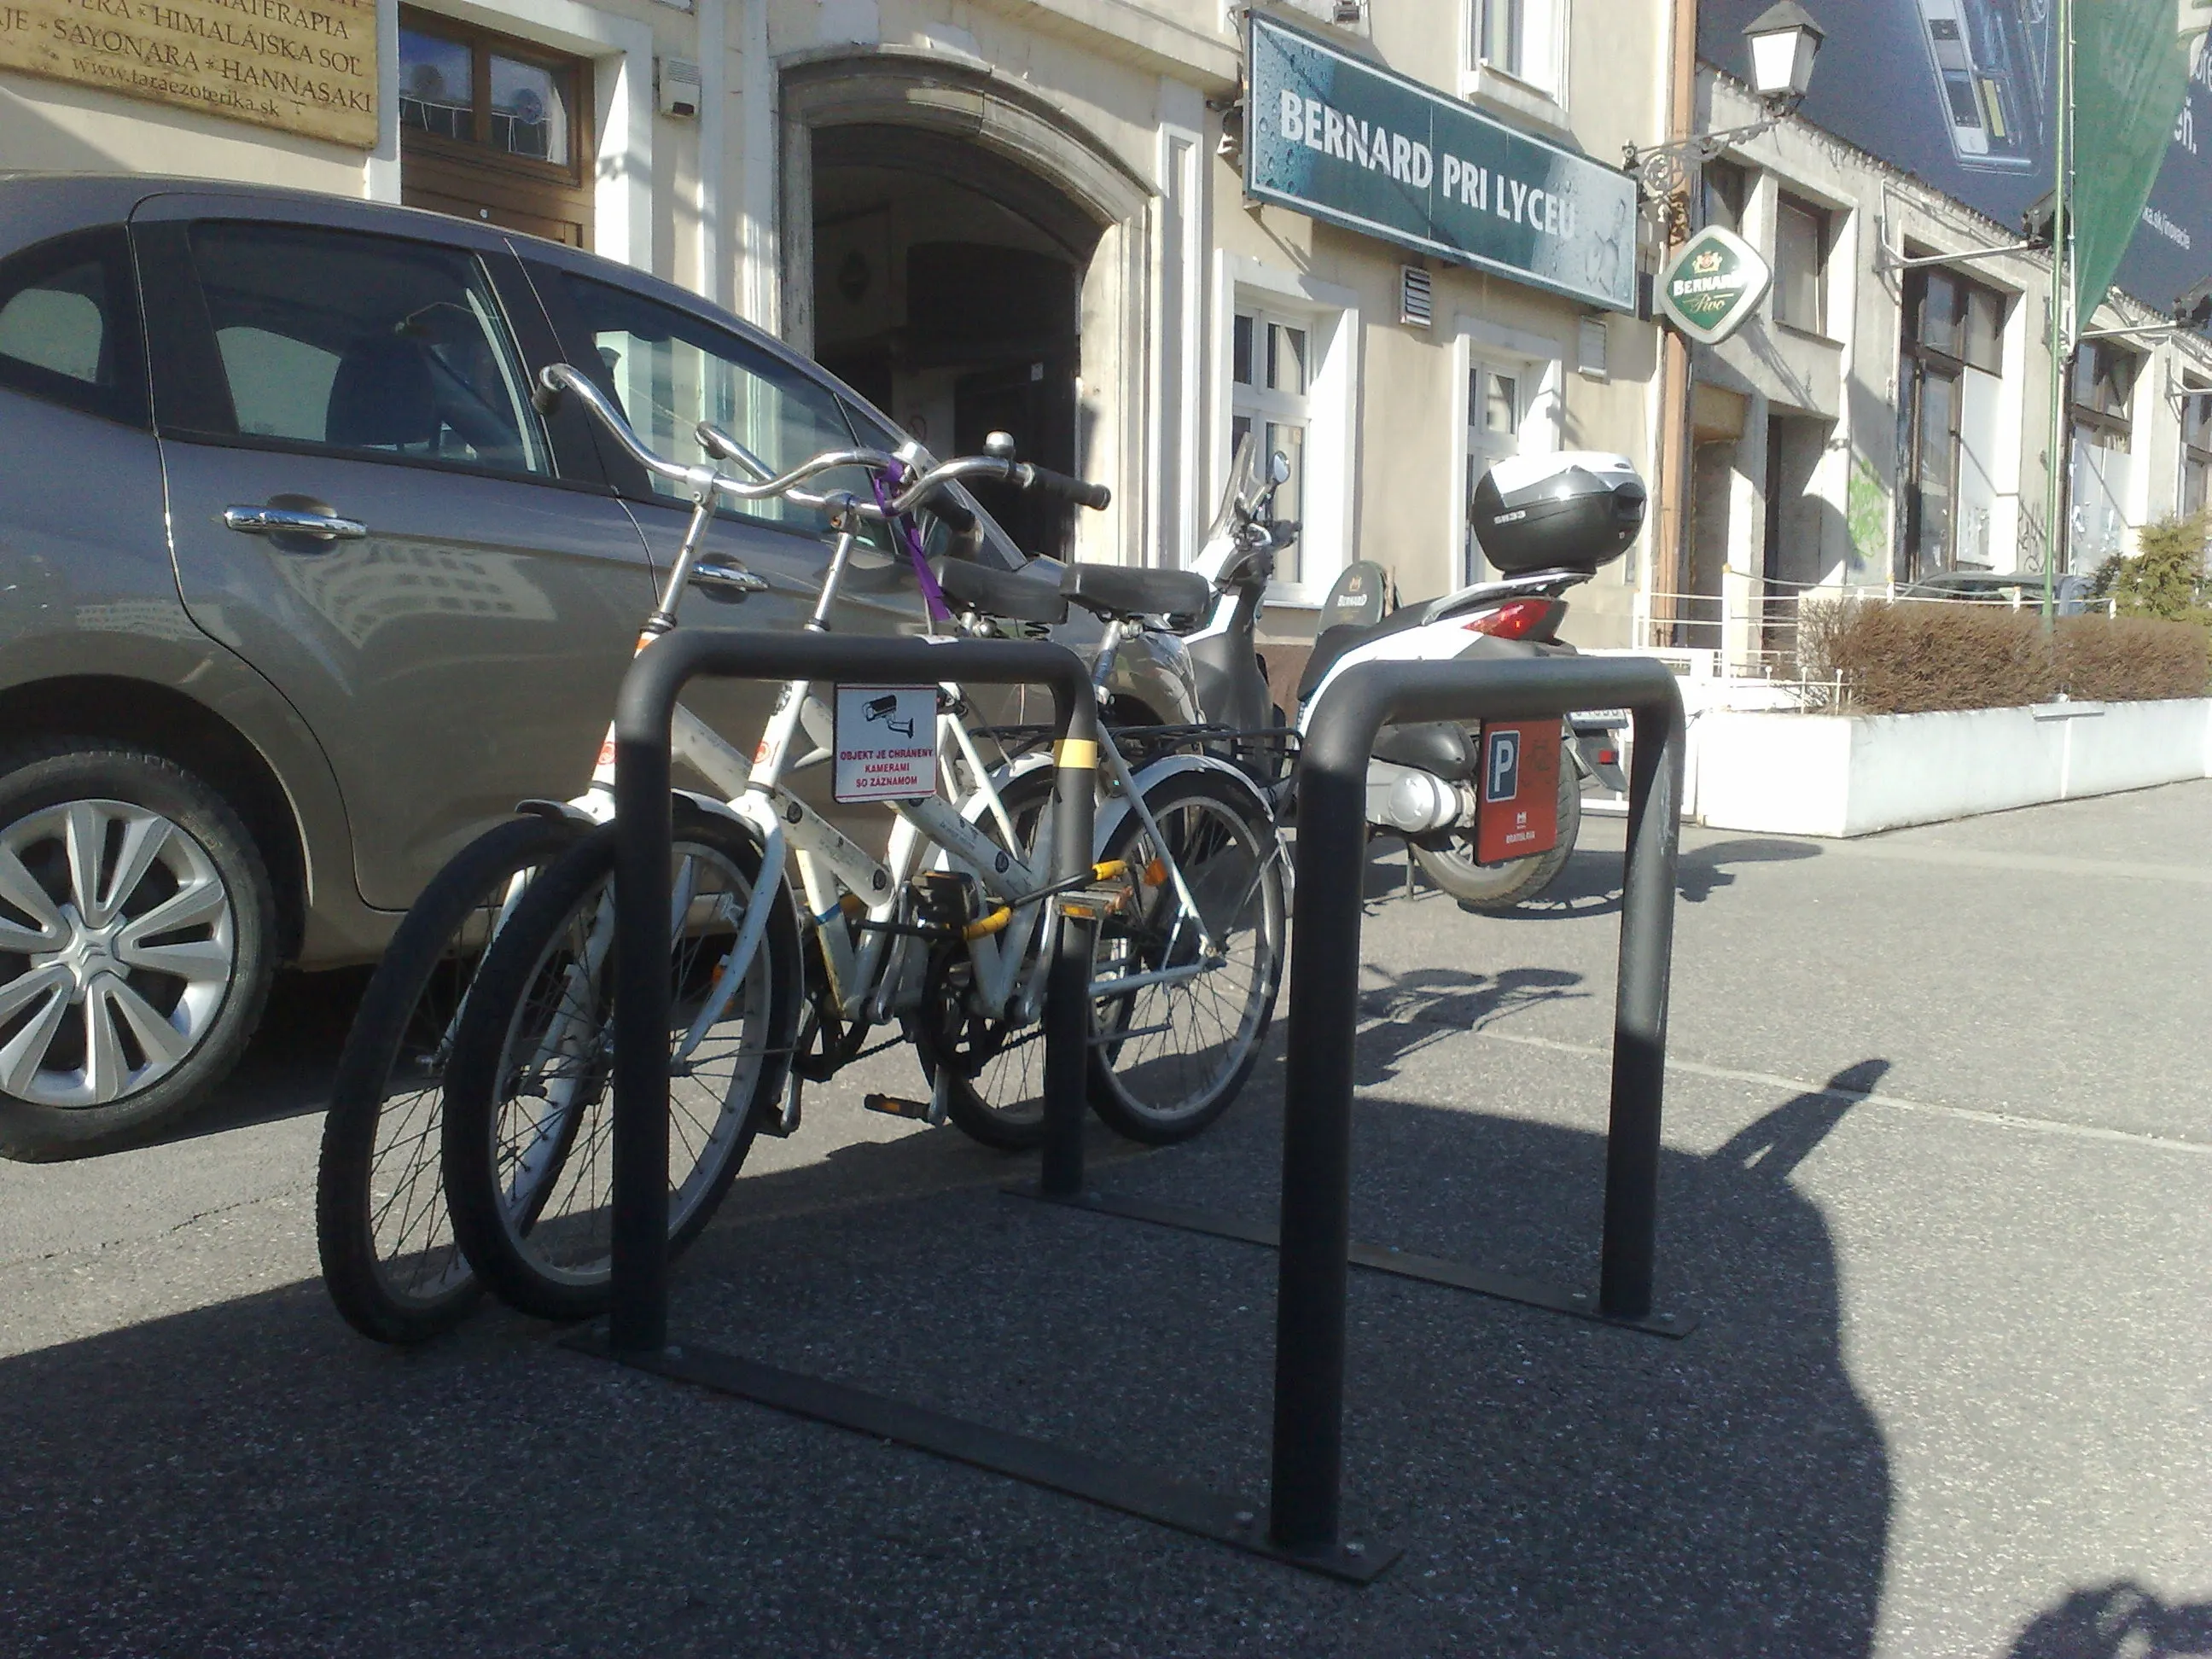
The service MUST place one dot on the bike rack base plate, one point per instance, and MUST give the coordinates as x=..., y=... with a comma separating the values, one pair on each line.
x=1381, y=1258
x=1132, y=1490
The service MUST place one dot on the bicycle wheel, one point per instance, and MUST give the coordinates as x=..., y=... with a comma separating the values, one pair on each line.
x=1168, y=1056
x=389, y=1257
x=529, y=1103
x=996, y=1091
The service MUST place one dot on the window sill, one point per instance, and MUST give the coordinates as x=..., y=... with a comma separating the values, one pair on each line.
x=1488, y=84
x=1811, y=334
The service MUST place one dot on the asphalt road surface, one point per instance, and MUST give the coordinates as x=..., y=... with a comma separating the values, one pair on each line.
x=1937, y=1187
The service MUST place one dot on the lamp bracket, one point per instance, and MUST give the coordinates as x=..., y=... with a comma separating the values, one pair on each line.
x=1661, y=170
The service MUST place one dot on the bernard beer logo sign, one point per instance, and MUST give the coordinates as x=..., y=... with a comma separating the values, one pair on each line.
x=1714, y=285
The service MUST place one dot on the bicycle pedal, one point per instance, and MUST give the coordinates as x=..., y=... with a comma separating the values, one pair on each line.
x=892, y=1106
x=1093, y=904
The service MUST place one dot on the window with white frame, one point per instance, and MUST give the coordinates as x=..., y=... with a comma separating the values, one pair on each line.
x=1271, y=368
x=1525, y=40
x=1515, y=387
x=2196, y=449
x=1496, y=404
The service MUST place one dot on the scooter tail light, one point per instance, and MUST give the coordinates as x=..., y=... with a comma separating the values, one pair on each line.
x=1515, y=619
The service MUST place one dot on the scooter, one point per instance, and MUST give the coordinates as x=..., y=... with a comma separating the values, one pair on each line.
x=1549, y=523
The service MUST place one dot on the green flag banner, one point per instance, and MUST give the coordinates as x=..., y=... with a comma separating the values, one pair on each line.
x=2130, y=79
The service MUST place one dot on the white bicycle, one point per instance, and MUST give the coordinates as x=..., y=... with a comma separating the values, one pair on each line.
x=791, y=944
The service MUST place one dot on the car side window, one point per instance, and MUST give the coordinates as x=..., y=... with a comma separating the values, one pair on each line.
x=69, y=325
x=334, y=340
x=670, y=370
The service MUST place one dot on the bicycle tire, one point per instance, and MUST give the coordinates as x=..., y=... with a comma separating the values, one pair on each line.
x=409, y=1283
x=1238, y=892
x=538, y=1251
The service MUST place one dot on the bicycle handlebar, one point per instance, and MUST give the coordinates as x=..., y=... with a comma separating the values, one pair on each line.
x=557, y=380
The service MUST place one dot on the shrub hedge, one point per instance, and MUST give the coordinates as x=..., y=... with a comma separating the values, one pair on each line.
x=1914, y=657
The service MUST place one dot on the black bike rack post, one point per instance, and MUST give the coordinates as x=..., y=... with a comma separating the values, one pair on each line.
x=644, y=828
x=637, y=1334
x=1316, y=1236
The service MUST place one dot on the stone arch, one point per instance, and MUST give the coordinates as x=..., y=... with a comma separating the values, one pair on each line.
x=963, y=120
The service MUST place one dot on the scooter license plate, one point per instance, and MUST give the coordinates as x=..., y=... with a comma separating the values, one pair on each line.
x=1518, y=816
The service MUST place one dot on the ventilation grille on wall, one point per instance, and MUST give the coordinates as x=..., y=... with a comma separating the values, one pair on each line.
x=1591, y=349
x=1416, y=300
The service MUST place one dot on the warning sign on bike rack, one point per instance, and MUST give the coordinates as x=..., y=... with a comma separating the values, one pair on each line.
x=886, y=742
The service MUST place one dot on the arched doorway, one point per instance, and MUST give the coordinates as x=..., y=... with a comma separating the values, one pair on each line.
x=953, y=245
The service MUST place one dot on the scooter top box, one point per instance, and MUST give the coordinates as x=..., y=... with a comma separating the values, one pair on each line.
x=1575, y=510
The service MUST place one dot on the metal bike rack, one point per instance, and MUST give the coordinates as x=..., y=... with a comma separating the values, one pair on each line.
x=1314, y=1236
x=1303, y=1521
x=637, y=1332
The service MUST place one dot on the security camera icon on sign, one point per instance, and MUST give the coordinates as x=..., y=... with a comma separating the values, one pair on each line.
x=882, y=709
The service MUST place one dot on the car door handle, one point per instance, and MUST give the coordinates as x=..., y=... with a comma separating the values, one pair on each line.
x=725, y=579
x=271, y=520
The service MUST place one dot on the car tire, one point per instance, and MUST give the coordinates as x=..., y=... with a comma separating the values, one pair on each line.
x=112, y=1029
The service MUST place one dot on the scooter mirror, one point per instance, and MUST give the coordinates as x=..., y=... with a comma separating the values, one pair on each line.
x=1279, y=468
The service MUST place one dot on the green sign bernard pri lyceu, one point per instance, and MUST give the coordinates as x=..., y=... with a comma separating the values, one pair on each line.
x=1363, y=148
x=1713, y=286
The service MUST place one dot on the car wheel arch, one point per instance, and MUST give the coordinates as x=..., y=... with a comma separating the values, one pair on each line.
x=147, y=714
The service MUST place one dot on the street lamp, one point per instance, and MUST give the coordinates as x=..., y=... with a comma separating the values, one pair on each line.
x=1784, y=40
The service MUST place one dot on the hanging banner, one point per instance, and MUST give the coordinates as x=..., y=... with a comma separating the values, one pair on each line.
x=305, y=66
x=1961, y=93
x=1357, y=146
x=2130, y=86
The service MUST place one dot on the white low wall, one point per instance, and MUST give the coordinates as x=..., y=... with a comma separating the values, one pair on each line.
x=1824, y=775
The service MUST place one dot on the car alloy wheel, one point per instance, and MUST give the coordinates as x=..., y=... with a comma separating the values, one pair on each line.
x=117, y=938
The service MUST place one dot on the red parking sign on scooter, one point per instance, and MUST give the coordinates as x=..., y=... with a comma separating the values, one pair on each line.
x=1519, y=813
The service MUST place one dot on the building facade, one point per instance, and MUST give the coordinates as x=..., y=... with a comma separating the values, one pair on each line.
x=1885, y=415
x=982, y=213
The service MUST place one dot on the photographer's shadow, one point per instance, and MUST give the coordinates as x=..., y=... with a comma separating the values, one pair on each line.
x=2119, y=1620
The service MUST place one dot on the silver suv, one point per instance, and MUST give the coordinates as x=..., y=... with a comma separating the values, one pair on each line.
x=298, y=592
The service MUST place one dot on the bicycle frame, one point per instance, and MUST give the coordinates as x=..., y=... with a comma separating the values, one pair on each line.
x=931, y=832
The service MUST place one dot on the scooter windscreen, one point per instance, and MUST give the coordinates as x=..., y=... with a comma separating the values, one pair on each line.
x=1242, y=490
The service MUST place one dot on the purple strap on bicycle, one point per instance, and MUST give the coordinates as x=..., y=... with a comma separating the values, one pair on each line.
x=933, y=595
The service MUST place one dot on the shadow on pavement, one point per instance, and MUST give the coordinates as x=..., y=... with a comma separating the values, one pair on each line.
x=252, y=1478
x=285, y=1070
x=2118, y=1621
x=1414, y=1010
x=1589, y=885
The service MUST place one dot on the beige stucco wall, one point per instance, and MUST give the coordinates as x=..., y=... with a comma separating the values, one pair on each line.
x=1409, y=512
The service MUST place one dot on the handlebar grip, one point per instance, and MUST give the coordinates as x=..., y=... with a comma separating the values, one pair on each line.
x=1045, y=481
x=946, y=506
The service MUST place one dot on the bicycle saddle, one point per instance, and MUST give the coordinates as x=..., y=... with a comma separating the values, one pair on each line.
x=1006, y=593
x=1121, y=589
